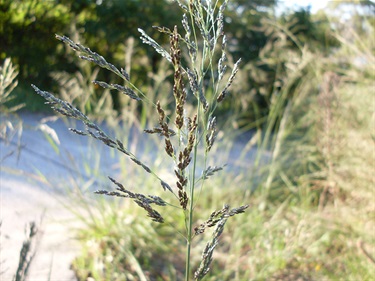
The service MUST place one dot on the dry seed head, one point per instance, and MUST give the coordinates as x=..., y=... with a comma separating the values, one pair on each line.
x=169, y=147
x=157, y=200
x=193, y=124
x=218, y=218
x=178, y=86
x=92, y=129
x=211, y=133
x=164, y=130
x=183, y=198
x=224, y=92
x=78, y=132
x=192, y=51
x=181, y=184
x=175, y=50
x=182, y=6
x=92, y=56
x=160, y=111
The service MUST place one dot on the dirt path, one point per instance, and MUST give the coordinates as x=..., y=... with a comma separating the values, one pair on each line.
x=24, y=198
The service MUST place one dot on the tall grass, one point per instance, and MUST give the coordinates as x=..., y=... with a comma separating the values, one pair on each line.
x=198, y=60
x=310, y=187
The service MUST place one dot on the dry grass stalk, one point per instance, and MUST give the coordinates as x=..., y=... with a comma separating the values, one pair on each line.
x=328, y=101
x=27, y=253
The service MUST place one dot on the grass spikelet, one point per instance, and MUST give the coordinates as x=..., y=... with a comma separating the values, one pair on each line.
x=165, y=131
x=210, y=171
x=204, y=266
x=149, y=41
x=217, y=216
x=210, y=134
x=127, y=91
x=178, y=87
x=224, y=92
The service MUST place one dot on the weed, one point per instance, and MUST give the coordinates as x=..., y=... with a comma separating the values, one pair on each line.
x=8, y=127
x=198, y=60
x=27, y=252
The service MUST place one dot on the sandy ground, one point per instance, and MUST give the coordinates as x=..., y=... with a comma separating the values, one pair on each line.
x=25, y=197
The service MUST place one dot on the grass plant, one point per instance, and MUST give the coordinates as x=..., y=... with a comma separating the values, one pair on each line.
x=198, y=60
x=8, y=82
x=10, y=125
x=310, y=187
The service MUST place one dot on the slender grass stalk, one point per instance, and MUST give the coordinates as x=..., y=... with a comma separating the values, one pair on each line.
x=27, y=252
x=191, y=209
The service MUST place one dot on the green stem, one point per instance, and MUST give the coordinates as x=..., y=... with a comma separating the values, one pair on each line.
x=191, y=204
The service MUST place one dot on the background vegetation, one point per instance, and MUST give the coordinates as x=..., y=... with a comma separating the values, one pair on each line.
x=306, y=92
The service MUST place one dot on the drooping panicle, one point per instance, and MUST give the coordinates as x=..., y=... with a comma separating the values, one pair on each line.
x=204, y=266
x=140, y=199
x=218, y=218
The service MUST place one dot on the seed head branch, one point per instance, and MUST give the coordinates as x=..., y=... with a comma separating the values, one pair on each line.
x=93, y=57
x=142, y=200
x=224, y=92
x=217, y=216
x=92, y=129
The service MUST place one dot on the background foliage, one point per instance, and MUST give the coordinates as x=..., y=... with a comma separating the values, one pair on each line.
x=27, y=29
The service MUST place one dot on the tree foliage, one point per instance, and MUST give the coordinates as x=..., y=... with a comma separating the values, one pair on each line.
x=263, y=40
